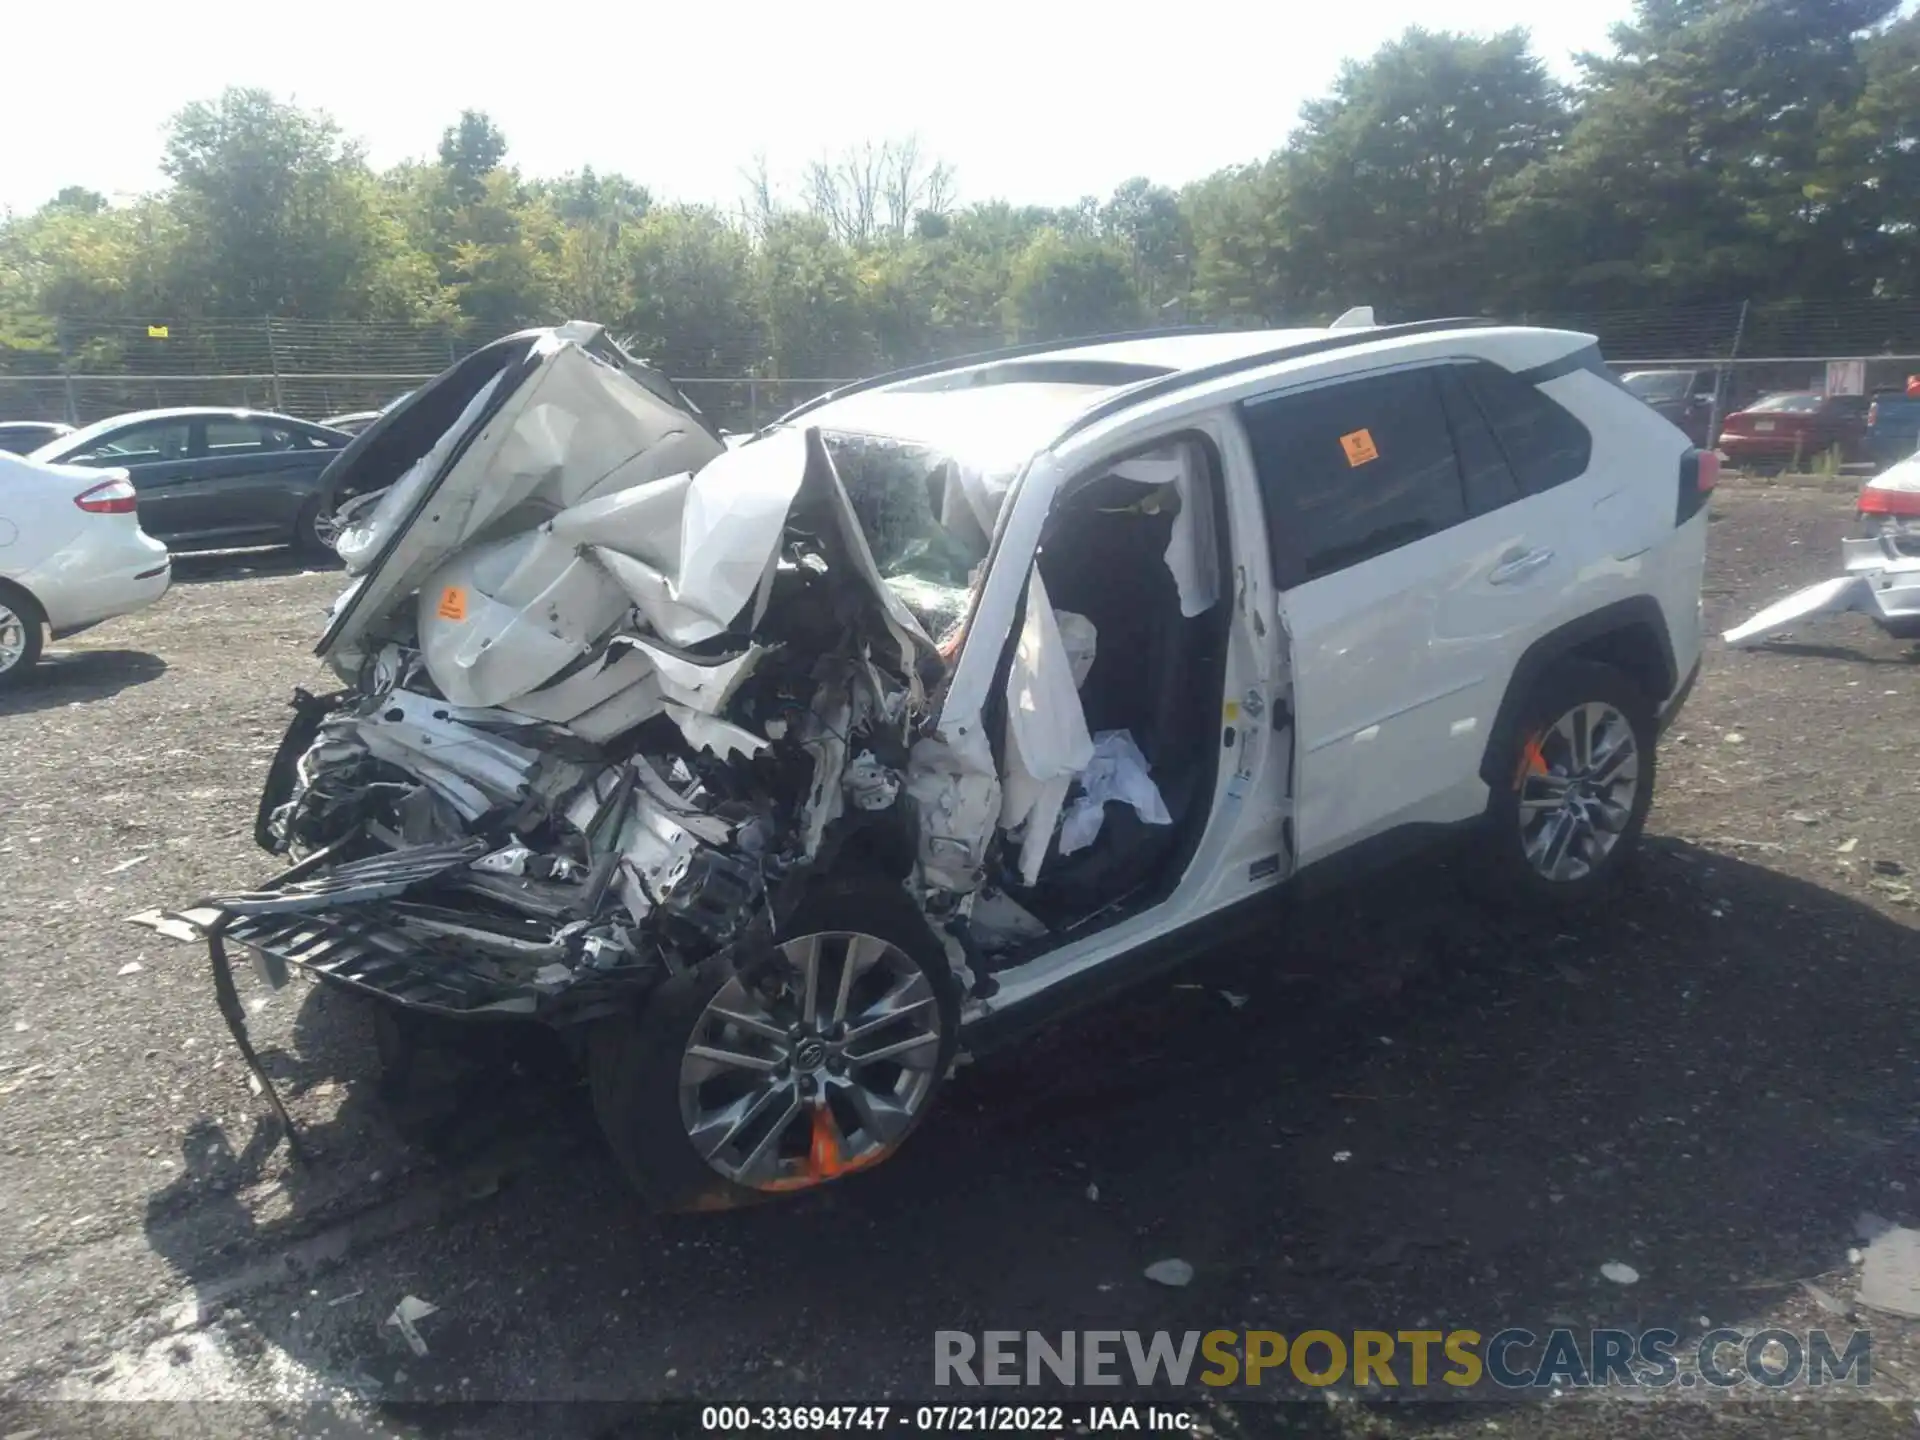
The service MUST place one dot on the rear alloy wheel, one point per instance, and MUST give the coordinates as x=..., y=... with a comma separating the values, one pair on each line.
x=1581, y=771
x=21, y=636
x=317, y=529
x=813, y=1060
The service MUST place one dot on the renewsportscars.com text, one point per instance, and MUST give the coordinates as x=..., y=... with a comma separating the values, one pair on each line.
x=1453, y=1360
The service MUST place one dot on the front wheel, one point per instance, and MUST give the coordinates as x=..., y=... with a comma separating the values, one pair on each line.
x=316, y=530
x=1571, y=795
x=750, y=1077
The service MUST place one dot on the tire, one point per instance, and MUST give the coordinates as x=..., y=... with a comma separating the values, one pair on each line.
x=1559, y=856
x=22, y=633
x=307, y=539
x=649, y=1102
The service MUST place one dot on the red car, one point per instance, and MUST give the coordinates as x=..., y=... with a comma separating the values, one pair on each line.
x=1780, y=432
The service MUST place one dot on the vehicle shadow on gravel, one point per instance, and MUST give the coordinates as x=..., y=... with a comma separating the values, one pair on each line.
x=1409, y=1113
x=199, y=567
x=1838, y=652
x=74, y=677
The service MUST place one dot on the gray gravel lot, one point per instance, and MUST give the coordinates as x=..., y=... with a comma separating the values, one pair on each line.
x=1709, y=1085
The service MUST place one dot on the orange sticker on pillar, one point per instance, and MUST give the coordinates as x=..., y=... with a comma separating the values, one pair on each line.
x=1359, y=447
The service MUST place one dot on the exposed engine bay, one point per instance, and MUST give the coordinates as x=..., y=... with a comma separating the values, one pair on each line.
x=615, y=693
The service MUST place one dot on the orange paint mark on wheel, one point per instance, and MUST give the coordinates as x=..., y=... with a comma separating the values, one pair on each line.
x=1533, y=761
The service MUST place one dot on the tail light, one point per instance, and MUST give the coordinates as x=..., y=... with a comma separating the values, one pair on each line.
x=1699, y=473
x=109, y=497
x=1889, y=502
x=1873, y=413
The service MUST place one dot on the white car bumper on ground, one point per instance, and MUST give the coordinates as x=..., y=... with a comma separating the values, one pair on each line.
x=106, y=571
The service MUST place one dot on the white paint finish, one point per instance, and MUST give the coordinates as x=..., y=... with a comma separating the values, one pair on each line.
x=79, y=567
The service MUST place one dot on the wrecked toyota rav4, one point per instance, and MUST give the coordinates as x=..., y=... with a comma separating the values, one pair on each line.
x=773, y=773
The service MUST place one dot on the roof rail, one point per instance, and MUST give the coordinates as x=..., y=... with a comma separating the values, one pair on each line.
x=1180, y=380
x=985, y=357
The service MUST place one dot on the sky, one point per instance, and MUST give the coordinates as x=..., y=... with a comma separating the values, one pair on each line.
x=1035, y=101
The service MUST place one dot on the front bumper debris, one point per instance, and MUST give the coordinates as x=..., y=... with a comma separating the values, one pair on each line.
x=1880, y=582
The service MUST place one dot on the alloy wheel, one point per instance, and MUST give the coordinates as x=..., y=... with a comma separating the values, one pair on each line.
x=1578, y=781
x=13, y=638
x=812, y=1064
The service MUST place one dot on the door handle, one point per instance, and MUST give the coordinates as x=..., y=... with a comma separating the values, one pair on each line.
x=1516, y=564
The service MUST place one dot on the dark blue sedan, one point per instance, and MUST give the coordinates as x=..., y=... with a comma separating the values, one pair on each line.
x=213, y=479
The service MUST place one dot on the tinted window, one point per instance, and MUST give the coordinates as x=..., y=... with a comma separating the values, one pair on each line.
x=1354, y=470
x=1657, y=386
x=1544, y=444
x=1484, y=471
x=147, y=444
x=227, y=436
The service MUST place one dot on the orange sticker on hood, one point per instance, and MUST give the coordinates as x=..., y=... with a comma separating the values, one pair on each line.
x=453, y=603
x=1359, y=447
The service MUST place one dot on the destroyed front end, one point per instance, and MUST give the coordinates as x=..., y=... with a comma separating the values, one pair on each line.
x=614, y=693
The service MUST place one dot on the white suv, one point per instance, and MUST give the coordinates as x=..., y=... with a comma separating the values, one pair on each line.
x=776, y=774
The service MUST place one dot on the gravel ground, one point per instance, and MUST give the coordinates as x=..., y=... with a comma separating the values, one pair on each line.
x=1422, y=1113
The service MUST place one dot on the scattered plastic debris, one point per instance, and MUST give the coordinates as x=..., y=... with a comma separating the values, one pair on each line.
x=1619, y=1274
x=182, y=925
x=1832, y=1304
x=126, y=865
x=1093, y=1192
x=132, y=967
x=1340, y=1157
x=1734, y=737
x=411, y=1309
x=343, y=1299
x=1175, y=1273
x=1890, y=1275
x=1847, y=847
x=1236, y=1001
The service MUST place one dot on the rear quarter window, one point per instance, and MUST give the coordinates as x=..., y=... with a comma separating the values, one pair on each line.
x=1545, y=443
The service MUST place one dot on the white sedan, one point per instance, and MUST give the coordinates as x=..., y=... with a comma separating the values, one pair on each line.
x=72, y=554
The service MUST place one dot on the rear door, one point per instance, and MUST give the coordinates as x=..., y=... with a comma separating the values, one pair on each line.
x=1413, y=567
x=252, y=476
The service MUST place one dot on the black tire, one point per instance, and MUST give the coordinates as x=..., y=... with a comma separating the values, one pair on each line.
x=1502, y=866
x=634, y=1061
x=307, y=539
x=23, y=608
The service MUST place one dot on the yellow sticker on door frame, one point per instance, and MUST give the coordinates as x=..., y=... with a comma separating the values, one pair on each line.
x=453, y=603
x=1359, y=447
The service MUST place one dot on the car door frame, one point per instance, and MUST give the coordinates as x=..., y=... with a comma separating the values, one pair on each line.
x=1240, y=856
x=1431, y=742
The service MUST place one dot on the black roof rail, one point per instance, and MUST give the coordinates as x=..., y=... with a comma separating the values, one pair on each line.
x=1180, y=380
x=986, y=357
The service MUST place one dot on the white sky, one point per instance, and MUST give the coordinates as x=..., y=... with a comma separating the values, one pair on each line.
x=1031, y=100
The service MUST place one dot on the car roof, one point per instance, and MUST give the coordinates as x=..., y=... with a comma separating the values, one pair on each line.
x=999, y=409
x=179, y=412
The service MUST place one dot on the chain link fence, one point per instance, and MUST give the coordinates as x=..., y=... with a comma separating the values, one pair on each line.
x=83, y=370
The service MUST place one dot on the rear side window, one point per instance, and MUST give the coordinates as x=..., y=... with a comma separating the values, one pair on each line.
x=1484, y=470
x=1354, y=470
x=1544, y=444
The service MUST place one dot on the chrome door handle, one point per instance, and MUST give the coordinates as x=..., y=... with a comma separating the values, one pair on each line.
x=1514, y=566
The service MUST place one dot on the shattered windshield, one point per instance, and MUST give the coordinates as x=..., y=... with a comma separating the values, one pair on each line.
x=896, y=488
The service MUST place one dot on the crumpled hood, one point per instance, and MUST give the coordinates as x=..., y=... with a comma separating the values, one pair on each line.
x=517, y=432
x=575, y=546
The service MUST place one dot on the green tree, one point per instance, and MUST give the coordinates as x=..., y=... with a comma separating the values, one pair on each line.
x=1686, y=177
x=1063, y=286
x=691, y=284
x=284, y=217
x=1390, y=180
x=471, y=149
